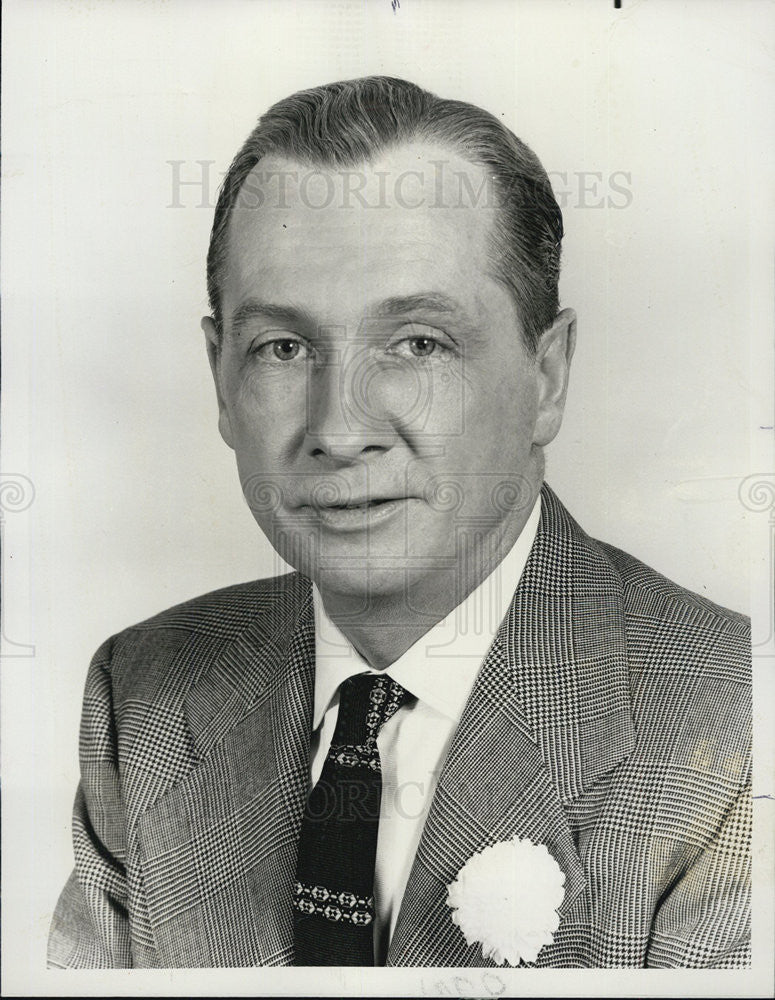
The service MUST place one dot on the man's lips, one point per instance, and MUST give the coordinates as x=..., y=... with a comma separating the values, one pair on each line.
x=344, y=499
x=357, y=513
x=357, y=504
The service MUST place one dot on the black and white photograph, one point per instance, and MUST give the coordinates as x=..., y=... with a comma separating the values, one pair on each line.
x=387, y=498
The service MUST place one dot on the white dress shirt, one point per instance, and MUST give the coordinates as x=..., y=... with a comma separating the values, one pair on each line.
x=439, y=670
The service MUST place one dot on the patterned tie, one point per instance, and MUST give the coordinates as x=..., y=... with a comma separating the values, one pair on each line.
x=333, y=906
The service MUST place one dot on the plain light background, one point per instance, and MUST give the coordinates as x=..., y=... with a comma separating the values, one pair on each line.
x=108, y=405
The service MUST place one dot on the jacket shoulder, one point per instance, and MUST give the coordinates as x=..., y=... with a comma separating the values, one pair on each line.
x=690, y=673
x=174, y=648
x=227, y=610
x=658, y=604
x=650, y=595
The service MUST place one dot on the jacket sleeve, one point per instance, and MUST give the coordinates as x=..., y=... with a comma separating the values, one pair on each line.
x=90, y=927
x=705, y=921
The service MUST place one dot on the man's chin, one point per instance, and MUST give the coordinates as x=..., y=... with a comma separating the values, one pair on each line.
x=370, y=588
x=364, y=583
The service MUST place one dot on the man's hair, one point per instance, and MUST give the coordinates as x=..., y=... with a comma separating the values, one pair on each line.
x=349, y=123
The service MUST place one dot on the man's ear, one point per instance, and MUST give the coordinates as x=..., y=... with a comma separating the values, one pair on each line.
x=552, y=361
x=213, y=352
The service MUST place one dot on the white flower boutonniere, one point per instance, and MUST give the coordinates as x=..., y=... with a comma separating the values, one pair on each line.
x=506, y=897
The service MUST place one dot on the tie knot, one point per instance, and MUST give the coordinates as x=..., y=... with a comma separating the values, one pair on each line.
x=366, y=702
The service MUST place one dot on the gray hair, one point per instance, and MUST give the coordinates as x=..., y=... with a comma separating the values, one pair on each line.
x=350, y=122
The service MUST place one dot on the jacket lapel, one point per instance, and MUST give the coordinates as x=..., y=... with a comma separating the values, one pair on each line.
x=219, y=850
x=548, y=716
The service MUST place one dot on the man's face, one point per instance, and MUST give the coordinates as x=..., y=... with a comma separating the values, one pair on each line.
x=372, y=377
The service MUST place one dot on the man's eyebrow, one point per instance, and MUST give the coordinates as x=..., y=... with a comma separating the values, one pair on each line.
x=258, y=309
x=437, y=302
x=396, y=305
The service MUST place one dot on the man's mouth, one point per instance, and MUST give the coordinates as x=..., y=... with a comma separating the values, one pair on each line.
x=360, y=504
x=359, y=513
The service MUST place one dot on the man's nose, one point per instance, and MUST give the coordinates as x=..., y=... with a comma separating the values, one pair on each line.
x=345, y=420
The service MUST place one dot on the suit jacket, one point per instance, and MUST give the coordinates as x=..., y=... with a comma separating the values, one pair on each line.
x=610, y=721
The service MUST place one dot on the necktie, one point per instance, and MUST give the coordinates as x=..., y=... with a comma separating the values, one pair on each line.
x=334, y=891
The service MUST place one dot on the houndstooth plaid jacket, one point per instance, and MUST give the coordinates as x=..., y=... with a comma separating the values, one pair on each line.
x=610, y=720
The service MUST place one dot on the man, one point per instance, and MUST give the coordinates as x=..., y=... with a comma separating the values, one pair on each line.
x=461, y=732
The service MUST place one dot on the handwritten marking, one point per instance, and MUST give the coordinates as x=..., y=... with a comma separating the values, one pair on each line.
x=465, y=986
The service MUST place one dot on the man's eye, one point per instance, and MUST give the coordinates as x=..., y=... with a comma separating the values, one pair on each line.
x=282, y=349
x=286, y=350
x=419, y=346
x=422, y=347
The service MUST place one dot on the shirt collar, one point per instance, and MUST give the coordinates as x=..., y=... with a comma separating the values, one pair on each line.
x=441, y=667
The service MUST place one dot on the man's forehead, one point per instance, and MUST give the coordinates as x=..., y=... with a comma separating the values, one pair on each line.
x=337, y=240
x=406, y=177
